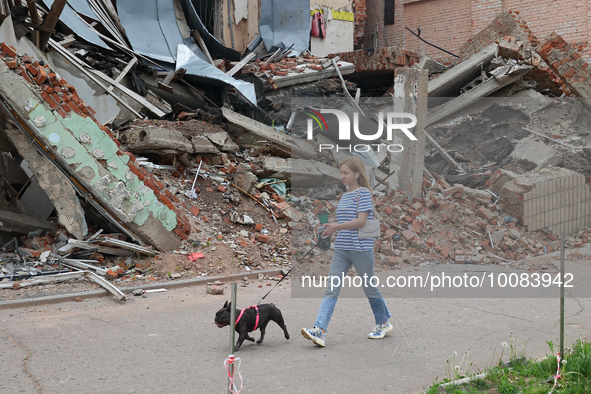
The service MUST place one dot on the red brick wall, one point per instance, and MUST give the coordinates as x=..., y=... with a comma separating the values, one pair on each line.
x=449, y=23
x=391, y=35
x=445, y=23
x=569, y=18
x=360, y=10
x=483, y=12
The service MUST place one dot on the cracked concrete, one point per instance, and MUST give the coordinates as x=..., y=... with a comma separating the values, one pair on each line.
x=13, y=350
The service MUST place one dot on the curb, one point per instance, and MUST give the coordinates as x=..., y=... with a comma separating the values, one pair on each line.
x=54, y=299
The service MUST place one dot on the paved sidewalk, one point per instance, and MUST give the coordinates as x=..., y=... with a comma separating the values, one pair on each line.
x=168, y=343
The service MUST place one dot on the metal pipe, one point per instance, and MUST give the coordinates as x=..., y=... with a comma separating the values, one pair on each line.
x=561, y=294
x=230, y=23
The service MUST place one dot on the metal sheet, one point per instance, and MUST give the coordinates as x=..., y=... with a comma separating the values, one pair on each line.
x=82, y=7
x=284, y=23
x=143, y=29
x=215, y=47
x=152, y=29
x=168, y=25
x=69, y=18
x=201, y=71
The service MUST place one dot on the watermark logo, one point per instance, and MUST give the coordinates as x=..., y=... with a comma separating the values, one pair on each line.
x=394, y=121
x=317, y=117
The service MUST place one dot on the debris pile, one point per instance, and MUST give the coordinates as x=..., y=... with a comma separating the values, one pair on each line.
x=168, y=162
x=449, y=224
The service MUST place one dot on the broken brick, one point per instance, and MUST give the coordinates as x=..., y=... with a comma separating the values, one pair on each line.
x=24, y=74
x=41, y=76
x=484, y=213
x=10, y=51
x=262, y=238
x=11, y=63
x=416, y=225
x=110, y=275
x=408, y=235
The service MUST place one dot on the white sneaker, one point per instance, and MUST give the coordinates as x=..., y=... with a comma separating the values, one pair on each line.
x=380, y=330
x=315, y=335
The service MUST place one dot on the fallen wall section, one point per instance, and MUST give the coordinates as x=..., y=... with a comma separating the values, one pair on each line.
x=507, y=23
x=552, y=199
x=50, y=111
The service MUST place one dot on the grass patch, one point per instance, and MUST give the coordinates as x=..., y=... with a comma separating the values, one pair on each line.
x=531, y=377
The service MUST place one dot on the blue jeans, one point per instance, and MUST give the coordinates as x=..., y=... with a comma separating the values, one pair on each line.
x=339, y=265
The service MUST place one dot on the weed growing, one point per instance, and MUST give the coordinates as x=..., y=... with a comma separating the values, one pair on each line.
x=521, y=376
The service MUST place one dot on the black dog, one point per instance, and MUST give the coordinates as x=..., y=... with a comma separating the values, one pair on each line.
x=246, y=321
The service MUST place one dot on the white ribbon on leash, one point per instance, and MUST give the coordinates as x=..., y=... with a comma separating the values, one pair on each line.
x=227, y=363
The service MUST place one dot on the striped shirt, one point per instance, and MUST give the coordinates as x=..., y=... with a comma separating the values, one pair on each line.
x=347, y=211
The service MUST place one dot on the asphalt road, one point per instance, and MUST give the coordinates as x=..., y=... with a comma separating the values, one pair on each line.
x=168, y=343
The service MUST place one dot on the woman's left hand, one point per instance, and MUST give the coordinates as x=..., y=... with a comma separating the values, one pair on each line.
x=329, y=230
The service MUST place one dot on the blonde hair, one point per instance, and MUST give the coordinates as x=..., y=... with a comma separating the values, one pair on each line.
x=355, y=164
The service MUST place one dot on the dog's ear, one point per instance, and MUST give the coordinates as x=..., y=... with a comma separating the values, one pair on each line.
x=225, y=305
x=229, y=305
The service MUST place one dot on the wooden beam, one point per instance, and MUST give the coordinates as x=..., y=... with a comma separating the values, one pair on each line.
x=202, y=45
x=347, y=94
x=308, y=76
x=38, y=27
x=32, y=4
x=242, y=63
x=283, y=54
x=443, y=153
x=133, y=95
x=164, y=84
x=50, y=21
x=67, y=41
x=329, y=63
x=76, y=62
x=172, y=75
x=273, y=56
x=124, y=72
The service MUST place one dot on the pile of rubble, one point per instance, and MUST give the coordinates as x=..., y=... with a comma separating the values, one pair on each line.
x=448, y=225
x=171, y=190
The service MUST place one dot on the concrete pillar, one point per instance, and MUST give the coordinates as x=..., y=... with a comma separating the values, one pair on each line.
x=410, y=96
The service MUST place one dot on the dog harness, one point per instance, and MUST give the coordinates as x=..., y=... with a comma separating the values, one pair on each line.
x=256, y=323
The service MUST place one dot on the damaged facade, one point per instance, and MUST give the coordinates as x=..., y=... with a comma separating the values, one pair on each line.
x=114, y=144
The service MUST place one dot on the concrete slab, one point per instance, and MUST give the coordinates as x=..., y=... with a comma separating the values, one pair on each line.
x=154, y=139
x=250, y=130
x=303, y=173
x=449, y=83
x=537, y=152
x=202, y=144
x=24, y=224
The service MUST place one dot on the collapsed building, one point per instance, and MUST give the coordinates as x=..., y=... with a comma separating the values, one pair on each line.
x=114, y=143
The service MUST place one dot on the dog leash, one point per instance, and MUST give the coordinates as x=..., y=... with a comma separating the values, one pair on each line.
x=286, y=275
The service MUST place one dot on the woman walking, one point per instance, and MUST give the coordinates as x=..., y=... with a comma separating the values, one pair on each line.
x=353, y=210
